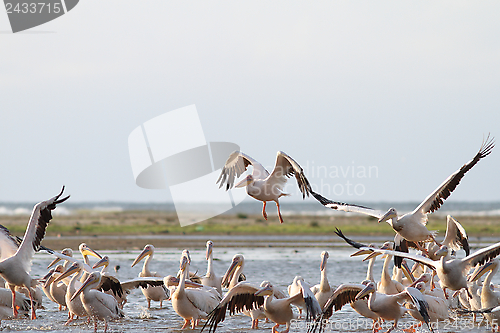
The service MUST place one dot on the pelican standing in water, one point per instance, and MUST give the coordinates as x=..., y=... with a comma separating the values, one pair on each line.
x=323, y=291
x=210, y=279
x=261, y=184
x=157, y=294
x=99, y=306
x=16, y=267
x=412, y=226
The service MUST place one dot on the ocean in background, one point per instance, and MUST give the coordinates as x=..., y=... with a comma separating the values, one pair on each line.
x=308, y=208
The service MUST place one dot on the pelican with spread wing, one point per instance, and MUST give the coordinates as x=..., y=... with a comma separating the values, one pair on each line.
x=412, y=226
x=15, y=263
x=261, y=184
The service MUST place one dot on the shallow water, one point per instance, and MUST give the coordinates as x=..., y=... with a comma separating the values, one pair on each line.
x=277, y=265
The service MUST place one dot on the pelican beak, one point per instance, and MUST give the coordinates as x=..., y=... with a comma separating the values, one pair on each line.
x=47, y=275
x=184, y=263
x=322, y=266
x=49, y=280
x=368, y=289
x=55, y=261
x=420, y=279
x=478, y=273
x=86, y=250
x=103, y=262
x=89, y=280
x=387, y=216
x=407, y=271
x=141, y=256
x=209, y=250
x=361, y=253
x=245, y=182
x=266, y=291
x=230, y=272
x=73, y=268
x=415, y=266
x=371, y=255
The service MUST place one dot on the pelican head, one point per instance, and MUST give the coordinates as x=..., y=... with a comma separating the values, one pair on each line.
x=209, y=249
x=493, y=264
x=185, y=253
x=147, y=251
x=71, y=269
x=238, y=261
x=391, y=213
x=424, y=278
x=103, y=262
x=324, y=258
x=184, y=264
x=420, y=286
x=67, y=252
x=85, y=250
x=442, y=252
x=245, y=182
x=370, y=288
x=171, y=280
x=266, y=291
x=93, y=280
x=385, y=246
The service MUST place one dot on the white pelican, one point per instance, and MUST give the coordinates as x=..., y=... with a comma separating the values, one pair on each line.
x=157, y=294
x=210, y=279
x=246, y=296
x=234, y=272
x=489, y=298
x=388, y=307
x=15, y=267
x=22, y=303
x=412, y=226
x=346, y=293
x=86, y=251
x=57, y=290
x=437, y=306
x=451, y=272
x=75, y=306
x=323, y=291
x=261, y=184
x=99, y=306
x=191, y=304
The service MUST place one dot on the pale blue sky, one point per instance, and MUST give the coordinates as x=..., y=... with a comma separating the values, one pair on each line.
x=407, y=87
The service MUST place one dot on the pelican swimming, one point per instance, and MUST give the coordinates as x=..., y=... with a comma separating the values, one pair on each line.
x=15, y=267
x=412, y=226
x=451, y=272
x=99, y=306
x=191, y=304
x=157, y=294
x=210, y=279
x=261, y=184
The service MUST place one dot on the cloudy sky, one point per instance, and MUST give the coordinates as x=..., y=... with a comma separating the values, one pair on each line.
x=406, y=89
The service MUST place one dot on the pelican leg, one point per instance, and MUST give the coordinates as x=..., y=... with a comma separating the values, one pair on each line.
x=186, y=324
x=161, y=304
x=275, y=328
x=33, y=315
x=421, y=248
x=149, y=303
x=264, y=210
x=393, y=327
x=279, y=211
x=105, y=325
x=435, y=241
x=255, y=324
x=413, y=327
x=14, y=308
x=95, y=325
x=193, y=323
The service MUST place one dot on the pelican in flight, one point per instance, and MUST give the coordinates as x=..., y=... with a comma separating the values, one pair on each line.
x=99, y=306
x=210, y=279
x=15, y=263
x=157, y=294
x=412, y=226
x=451, y=272
x=261, y=184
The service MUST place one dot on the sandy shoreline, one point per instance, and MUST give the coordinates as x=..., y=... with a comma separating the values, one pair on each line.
x=134, y=229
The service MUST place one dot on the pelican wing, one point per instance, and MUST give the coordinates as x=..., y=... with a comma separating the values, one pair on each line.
x=414, y=257
x=8, y=245
x=236, y=164
x=313, y=309
x=419, y=302
x=240, y=297
x=436, y=198
x=143, y=282
x=111, y=283
x=286, y=167
x=456, y=237
x=202, y=299
x=109, y=302
x=347, y=207
x=345, y=293
x=482, y=256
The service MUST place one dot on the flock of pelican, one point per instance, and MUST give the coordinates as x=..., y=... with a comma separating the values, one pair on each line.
x=426, y=291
